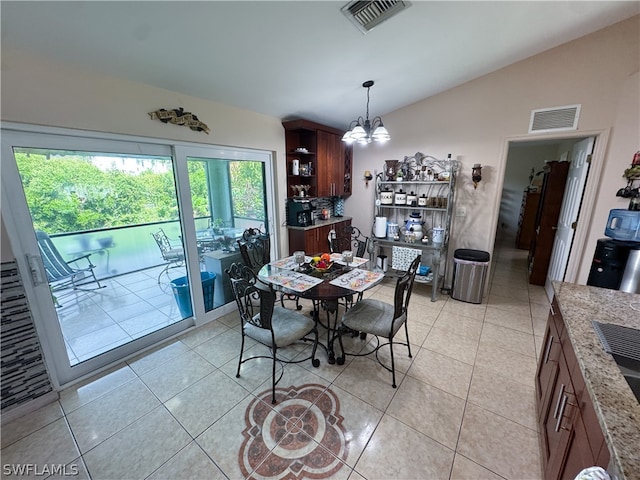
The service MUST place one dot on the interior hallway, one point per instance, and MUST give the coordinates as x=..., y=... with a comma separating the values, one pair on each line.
x=464, y=407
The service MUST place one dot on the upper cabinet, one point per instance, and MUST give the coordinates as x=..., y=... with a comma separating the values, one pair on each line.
x=317, y=160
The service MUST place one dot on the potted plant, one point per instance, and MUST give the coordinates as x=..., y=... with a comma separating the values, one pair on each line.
x=632, y=173
x=217, y=226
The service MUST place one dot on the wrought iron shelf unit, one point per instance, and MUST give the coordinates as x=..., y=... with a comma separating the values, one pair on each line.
x=440, y=192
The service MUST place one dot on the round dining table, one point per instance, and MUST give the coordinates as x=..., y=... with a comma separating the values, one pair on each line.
x=324, y=296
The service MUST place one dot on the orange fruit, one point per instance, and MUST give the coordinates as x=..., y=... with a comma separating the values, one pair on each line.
x=325, y=256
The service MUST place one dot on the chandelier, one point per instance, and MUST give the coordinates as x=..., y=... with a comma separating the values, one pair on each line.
x=364, y=131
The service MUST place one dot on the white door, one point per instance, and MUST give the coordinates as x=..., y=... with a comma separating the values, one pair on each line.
x=576, y=180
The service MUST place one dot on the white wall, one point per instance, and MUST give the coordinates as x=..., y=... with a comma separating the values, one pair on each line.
x=38, y=91
x=476, y=120
x=520, y=161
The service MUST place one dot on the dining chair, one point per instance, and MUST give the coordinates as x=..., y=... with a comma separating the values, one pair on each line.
x=173, y=256
x=60, y=274
x=349, y=238
x=273, y=326
x=255, y=249
x=381, y=319
x=255, y=246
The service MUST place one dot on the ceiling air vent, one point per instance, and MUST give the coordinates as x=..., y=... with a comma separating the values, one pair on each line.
x=367, y=15
x=554, y=119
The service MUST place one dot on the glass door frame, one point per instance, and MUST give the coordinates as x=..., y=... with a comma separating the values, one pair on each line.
x=182, y=152
x=19, y=229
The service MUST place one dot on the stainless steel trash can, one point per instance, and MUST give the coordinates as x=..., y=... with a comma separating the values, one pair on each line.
x=469, y=274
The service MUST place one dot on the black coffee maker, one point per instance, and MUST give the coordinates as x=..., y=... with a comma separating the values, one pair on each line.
x=300, y=213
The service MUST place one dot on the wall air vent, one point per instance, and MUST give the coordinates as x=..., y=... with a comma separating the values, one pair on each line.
x=554, y=119
x=367, y=15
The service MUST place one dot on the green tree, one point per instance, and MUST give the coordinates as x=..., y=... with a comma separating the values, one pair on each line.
x=247, y=189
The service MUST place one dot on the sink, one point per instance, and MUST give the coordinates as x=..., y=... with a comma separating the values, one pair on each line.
x=623, y=343
x=630, y=369
x=634, y=383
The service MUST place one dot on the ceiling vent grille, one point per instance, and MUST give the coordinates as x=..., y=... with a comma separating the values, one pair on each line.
x=554, y=119
x=367, y=15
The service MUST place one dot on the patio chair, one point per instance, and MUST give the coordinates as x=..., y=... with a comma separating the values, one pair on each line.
x=174, y=256
x=272, y=326
x=60, y=274
x=381, y=319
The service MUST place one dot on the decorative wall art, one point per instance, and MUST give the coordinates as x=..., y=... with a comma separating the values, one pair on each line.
x=178, y=116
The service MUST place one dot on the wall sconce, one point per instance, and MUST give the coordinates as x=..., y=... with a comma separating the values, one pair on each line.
x=367, y=177
x=476, y=174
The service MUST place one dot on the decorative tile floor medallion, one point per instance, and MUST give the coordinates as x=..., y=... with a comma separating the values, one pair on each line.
x=301, y=436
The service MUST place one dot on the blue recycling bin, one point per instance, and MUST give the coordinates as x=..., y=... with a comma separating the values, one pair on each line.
x=180, y=287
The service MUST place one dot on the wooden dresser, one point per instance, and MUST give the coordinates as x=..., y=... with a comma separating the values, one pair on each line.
x=527, y=220
x=546, y=223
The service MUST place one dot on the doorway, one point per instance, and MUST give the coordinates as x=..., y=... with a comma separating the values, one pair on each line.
x=523, y=176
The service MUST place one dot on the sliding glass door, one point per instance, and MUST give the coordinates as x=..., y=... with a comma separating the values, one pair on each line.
x=123, y=243
x=228, y=196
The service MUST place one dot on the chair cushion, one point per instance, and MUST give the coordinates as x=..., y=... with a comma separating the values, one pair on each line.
x=288, y=327
x=372, y=316
x=175, y=253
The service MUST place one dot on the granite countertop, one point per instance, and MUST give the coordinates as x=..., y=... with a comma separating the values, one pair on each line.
x=617, y=408
x=321, y=223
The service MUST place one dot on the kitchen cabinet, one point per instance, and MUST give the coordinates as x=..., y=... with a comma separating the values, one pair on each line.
x=571, y=438
x=314, y=239
x=330, y=159
x=548, y=365
x=527, y=219
x=551, y=196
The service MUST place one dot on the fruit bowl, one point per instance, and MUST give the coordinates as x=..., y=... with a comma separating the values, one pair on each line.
x=321, y=266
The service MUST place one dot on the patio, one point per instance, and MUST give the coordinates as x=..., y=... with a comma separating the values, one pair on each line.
x=131, y=306
x=133, y=303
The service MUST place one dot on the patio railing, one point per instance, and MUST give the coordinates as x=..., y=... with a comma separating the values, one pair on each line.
x=122, y=250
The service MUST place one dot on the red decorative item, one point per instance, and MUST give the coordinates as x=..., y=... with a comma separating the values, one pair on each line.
x=636, y=159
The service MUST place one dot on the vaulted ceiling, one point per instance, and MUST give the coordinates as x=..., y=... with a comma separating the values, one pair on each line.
x=292, y=59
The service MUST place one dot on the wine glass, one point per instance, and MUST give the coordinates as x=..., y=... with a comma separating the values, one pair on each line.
x=298, y=257
x=347, y=257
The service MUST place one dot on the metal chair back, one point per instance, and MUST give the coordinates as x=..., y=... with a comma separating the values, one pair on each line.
x=349, y=238
x=255, y=247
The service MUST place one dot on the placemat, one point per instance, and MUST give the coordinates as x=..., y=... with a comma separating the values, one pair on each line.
x=358, y=280
x=288, y=263
x=357, y=261
x=298, y=282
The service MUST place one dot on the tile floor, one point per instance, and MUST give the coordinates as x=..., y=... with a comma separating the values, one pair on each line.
x=463, y=409
x=128, y=307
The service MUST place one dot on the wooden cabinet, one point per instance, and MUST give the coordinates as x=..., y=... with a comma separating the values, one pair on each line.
x=570, y=435
x=314, y=240
x=546, y=223
x=329, y=156
x=331, y=161
x=548, y=365
x=527, y=219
